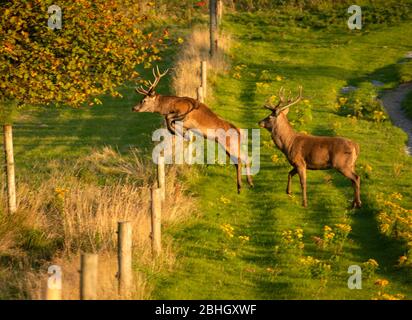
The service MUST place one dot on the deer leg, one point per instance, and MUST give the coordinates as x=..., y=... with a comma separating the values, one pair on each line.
x=235, y=156
x=357, y=203
x=170, y=123
x=357, y=191
x=292, y=173
x=239, y=176
x=249, y=176
x=171, y=126
x=302, y=176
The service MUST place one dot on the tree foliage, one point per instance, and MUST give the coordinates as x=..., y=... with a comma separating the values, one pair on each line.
x=97, y=48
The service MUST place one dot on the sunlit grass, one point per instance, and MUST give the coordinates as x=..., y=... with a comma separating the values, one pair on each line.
x=215, y=266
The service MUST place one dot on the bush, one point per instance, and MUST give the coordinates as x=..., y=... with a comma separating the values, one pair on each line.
x=362, y=104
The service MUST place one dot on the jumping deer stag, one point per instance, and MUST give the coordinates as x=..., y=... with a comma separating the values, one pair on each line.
x=310, y=152
x=193, y=115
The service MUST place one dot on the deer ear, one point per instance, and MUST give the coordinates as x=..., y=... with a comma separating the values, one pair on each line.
x=152, y=94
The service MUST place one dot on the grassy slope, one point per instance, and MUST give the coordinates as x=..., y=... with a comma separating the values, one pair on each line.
x=322, y=61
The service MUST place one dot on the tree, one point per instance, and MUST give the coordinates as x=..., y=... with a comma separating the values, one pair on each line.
x=98, y=47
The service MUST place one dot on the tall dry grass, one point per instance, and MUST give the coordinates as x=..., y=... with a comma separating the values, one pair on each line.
x=75, y=208
x=186, y=76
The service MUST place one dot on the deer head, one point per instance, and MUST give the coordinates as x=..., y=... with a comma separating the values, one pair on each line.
x=280, y=110
x=149, y=102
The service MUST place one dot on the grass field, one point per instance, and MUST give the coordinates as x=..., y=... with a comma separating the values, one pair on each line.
x=214, y=266
x=210, y=263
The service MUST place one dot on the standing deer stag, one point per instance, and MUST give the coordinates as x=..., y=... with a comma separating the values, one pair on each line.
x=193, y=115
x=310, y=152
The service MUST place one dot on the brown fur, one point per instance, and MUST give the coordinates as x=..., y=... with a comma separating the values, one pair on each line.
x=313, y=152
x=194, y=115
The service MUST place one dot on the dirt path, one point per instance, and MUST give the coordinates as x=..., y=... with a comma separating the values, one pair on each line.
x=392, y=101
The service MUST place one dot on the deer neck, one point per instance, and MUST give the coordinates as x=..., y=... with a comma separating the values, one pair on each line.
x=283, y=135
x=162, y=106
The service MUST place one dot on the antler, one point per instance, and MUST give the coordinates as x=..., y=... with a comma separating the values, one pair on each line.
x=283, y=104
x=158, y=76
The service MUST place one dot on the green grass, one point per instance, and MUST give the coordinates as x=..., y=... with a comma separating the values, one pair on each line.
x=211, y=266
x=323, y=62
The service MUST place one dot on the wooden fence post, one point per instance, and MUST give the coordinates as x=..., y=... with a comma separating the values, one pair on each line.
x=219, y=12
x=156, y=234
x=161, y=176
x=204, y=79
x=53, y=294
x=200, y=95
x=124, y=257
x=9, y=157
x=54, y=283
x=189, y=149
x=88, y=276
x=213, y=27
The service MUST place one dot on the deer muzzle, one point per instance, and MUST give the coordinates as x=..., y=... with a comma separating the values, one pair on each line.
x=137, y=108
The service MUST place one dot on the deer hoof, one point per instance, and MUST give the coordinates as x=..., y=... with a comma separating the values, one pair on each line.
x=357, y=204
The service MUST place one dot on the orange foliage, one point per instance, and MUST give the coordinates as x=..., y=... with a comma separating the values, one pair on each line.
x=97, y=48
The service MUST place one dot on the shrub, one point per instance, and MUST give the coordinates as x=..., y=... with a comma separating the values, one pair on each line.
x=333, y=238
x=362, y=104
x=315, y=268
x=293, y=239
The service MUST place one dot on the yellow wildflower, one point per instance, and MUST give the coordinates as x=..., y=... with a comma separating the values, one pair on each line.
x=228, y=230
x=344, y=227
x=387, y=296
x=373, y=263
x=402, y=260
x=381, y=282
x=327, y=228
x=396, y=196
x=224, y=200
x=342, y=100
x=275, y=158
